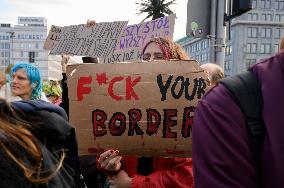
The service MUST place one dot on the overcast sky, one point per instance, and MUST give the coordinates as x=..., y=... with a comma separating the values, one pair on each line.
x=67, y=12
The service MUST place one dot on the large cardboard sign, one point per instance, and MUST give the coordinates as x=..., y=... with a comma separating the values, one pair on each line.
x=143, y=109
x=97, y=41
x=52, y=38
x=134, y=38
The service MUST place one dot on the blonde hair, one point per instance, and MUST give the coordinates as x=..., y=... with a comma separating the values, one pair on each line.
x=18, y=131
x=171, y=50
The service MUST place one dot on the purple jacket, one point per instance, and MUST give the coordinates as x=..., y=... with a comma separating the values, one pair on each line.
x=222, y=152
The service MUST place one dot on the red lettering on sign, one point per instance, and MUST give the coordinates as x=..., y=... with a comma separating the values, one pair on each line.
x=81, y=89
x=110, y=88
x=129, y=88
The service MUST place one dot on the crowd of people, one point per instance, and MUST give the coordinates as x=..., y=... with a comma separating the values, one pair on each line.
x=38, y=145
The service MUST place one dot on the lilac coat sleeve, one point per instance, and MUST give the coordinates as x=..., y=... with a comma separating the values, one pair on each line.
x=221, y=149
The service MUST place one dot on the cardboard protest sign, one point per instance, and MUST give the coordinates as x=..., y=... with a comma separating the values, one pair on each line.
x=143, y=109
x=53, y=37
x=97, y=41
x=134, y=38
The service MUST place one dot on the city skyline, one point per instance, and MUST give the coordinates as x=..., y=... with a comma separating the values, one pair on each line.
x=63, y=12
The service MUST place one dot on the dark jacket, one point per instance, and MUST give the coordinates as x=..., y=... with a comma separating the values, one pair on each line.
x=222, y=151
x=54, y=130
x=54, y=134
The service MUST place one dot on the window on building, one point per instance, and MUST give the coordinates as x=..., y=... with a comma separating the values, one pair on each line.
x=30, y=36
x=227, y=65
x=276, y=48
x=277, y=33
x=251, y=48
x=265, y=48
x=281, y=5
x=252, y=32
x=277, y=18
x=253, y=16
x=266, y=17
x=36, y=54
x=249, y=62
x=265, y=4
x=266, y=33
x=254, y=4
x=22, y=54
x=37, y=46
x=7, y=46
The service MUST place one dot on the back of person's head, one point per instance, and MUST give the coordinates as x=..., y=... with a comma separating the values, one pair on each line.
x=18, y=143
x=170, y=49
x=34, y=77
x=214, y=71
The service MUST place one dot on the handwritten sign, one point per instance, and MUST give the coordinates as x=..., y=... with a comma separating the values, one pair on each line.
x=52, y=38
x=143, y=109
x=135, y=37
x=97, y=41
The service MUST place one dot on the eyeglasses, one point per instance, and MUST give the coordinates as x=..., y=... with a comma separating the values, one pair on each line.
x=155, y=56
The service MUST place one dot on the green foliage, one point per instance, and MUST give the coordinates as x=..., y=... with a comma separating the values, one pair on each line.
x=155, y=8
x=52, y=88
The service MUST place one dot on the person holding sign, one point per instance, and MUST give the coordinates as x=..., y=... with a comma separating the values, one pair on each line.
x=126, y=172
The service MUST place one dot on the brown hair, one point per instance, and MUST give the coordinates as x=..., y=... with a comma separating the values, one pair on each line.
x=16, y=130
x=171, y=50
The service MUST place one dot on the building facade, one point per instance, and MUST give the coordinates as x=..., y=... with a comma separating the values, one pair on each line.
x=19, y=42
x=254, y=36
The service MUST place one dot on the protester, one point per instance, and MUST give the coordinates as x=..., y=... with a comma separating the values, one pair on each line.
x=222, y=150
x=148, y=171
x=214, y=72
x=24, y=159
x=26, y=82
x=53, y=91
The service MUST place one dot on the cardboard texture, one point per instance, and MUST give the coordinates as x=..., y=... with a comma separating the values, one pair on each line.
x=134, y=38
x=148, y=107
x=53, y=37
x=96, y=41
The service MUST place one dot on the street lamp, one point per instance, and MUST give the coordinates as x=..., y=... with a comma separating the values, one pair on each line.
x=12, y=35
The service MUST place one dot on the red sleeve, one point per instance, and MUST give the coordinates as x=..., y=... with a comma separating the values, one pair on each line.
x=178, y=175
x=221, y=149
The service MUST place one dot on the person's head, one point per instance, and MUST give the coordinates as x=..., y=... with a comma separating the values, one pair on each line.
x=163, y=49
x=26, y=81
x=52, y=90
x=214, y=72
x=15, y=133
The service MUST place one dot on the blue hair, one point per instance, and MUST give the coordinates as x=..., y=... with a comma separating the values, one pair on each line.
x=33, y=76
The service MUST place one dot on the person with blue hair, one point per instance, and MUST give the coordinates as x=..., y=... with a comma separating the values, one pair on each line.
x=26, y=81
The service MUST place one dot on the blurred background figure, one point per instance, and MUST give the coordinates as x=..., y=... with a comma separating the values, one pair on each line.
x=53, y=91
x=214, y=72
